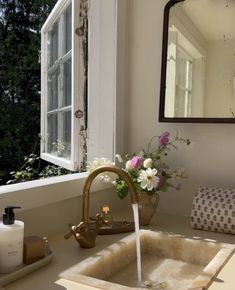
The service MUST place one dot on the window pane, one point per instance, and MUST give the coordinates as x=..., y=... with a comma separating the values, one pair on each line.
x=182, y=72
x=67, y=83
x=53, y=45
x=67, y=133
x=68, y=29
x=52, y=90
x=62, y=146
x=52, y=122
x=59, y=134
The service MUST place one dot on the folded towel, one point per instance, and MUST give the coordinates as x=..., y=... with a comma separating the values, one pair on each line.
x=214, y=209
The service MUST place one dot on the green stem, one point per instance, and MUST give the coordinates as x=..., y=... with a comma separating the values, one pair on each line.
x=149, y=144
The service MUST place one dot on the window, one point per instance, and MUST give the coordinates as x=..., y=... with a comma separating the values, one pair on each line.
x=185, y=73
x=183, y=96
x=61, y=86
x=74, y=128
x=66, y=140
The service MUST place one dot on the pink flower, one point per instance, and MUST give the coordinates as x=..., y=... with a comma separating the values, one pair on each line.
x=164, y=139
x=161, y=180
x=136, y=162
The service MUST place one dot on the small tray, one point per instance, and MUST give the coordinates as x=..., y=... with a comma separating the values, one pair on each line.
x=116, y=228
x=25, y=269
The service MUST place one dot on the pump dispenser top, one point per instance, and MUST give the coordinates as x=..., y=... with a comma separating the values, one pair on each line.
x=8, y=218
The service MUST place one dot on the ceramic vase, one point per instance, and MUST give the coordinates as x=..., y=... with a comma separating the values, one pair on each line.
x=147, y=207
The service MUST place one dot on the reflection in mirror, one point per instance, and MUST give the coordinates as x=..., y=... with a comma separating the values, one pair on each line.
x=199, y=73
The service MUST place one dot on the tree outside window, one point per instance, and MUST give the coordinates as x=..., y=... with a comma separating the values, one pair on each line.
x=20, y=40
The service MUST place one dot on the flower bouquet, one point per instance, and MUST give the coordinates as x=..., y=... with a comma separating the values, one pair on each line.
x=148, y=171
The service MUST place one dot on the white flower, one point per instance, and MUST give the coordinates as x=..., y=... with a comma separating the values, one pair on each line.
x=148, y=179
x=128, y=165
x=119, y=157
x=141, y=154
x=148, y=163
x=114, y=182
x=97, y=162
x=107, y=177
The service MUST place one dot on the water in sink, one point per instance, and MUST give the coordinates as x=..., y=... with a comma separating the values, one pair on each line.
x=156, y=271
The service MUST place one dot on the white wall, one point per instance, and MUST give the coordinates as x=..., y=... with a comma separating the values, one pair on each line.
x=211, y=160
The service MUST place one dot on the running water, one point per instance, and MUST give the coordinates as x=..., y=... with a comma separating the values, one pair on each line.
x=138, y=252
x=143, y=284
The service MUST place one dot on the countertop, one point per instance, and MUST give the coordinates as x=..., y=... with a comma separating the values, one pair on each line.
x=67, y=253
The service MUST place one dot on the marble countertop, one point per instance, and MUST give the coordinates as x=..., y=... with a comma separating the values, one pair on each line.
x=67, y=253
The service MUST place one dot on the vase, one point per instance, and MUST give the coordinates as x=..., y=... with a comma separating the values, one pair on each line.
x=147, y=207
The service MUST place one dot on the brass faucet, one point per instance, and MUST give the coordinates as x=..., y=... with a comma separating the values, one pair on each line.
x=85, y=233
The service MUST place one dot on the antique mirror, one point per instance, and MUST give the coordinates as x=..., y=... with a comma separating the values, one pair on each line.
x=198, y=62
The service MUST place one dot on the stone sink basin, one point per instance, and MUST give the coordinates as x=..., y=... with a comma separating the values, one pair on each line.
x=168, y=260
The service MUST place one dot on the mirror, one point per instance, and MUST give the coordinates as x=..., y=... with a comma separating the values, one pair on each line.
x=198, y=62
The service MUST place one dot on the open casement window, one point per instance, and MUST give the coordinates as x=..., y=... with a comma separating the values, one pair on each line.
x=78, y=96
x=62, y=78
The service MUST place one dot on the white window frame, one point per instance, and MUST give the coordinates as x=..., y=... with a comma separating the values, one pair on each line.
x=102, y=79
x=101, y=135
x=60, y=7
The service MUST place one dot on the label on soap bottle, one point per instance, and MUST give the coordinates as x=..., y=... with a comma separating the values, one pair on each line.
x=11, y=256
x=12, y=250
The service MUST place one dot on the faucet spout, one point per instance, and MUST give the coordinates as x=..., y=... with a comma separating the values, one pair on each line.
x=86, y=190
x=84, y=233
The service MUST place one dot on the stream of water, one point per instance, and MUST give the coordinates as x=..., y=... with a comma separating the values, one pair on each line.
x=140, y=283
x=138, y=251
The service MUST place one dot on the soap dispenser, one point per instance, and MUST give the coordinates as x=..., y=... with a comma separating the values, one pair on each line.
x=11, y=241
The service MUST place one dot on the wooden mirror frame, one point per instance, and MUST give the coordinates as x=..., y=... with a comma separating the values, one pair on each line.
x=162, y=117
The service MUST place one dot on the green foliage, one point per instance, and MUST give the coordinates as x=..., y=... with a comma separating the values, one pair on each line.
x=53, y=170
x=20, y=24
x=27, y=172
x=35, y=169
x=122, y=189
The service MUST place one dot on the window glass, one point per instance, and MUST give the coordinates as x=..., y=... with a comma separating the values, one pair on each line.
x=53, y=90
x=67, y=83
x=53, y=45
x=52, y=133
x=183, y=96
x=59, y=87
x=67, y=134
x=68, y=29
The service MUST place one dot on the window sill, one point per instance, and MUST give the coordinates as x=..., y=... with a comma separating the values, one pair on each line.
x=41, y=192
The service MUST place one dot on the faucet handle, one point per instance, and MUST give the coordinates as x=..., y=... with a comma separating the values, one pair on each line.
x=83, y=233
x=73, y=230
x=86, y=234
x=98, y=218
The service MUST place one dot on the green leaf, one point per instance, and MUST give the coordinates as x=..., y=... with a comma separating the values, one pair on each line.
x=164, y=187
x=138, y=187
x=122, y=189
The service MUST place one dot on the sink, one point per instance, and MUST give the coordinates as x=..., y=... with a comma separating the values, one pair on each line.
x=184, y=264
